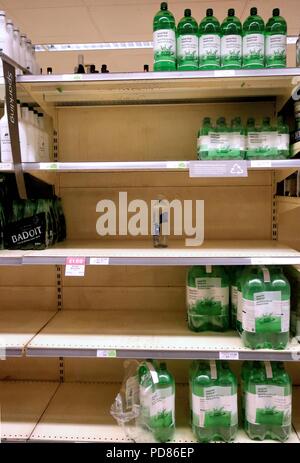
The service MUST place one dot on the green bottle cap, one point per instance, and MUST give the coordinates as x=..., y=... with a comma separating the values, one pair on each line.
x=221, y=120
x=276, y=12
x=231, y=12
x=164, y=6
x=209, y=12
x=162, y=366
x=266, y=120
x=187, y=13
x=253, y=11
x=206, y=119
x=250, y=120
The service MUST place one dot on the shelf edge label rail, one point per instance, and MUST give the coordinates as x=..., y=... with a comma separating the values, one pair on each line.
x=235, y=168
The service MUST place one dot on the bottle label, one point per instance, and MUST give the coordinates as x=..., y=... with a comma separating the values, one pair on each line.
x=187, y=50
x=162, y=407
x=209, y=294
x=253, y=49
x=145, y=398
x=219, y=141
x=269, y=406
x=254, y=141
x=209, y=50
x=215, y=407
x=268, y=141
x=276, y=50
x=239, y=312
x=237, y=142
x=164, y=46
x=234, y=295
x=266, y=313
x=203, y=143
x=231, y=50
x=283, y=141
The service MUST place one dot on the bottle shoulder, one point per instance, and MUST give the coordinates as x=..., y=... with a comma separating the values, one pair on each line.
x=164, y=20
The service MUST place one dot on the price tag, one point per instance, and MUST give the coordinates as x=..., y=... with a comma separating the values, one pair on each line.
x=218, y=168
x=75, y=267
x=72, y=76
x=228, y=355
x=2, y=353
x=224, y=73
x=6, y=166
x=99, y=260
x=258, y=261
x=295, y=356
x=177, y=164
x=49, y=166
x=106, y=353
x=261, y=163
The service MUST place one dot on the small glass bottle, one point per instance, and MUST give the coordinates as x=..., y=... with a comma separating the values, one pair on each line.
x=160, y=229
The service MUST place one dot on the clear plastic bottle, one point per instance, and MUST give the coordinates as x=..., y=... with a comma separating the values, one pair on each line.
x=283, y=139
x=207, y=297
x=187, y=43
x=44, y=145
x=22, y=133
x=214, y=402
x=16, y=46
x=203, y=142
x=253, y=41
x=10, y=41
x=6, y=153
x=266, y=308
x=253, y=139
x=28, y=55
x=23, y=48
x=231, y=42
x=276, y=41
x=209, y=42
x=237, y=140
x=164, y=40
x=268, y=393
x=3, y=38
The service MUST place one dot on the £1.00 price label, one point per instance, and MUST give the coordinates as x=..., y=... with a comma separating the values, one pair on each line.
x=75, y=267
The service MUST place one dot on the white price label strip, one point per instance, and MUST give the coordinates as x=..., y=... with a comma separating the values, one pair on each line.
x=6, y=166
x=106, y=353
x=49, y=166
x=177, y=164
x=75, y=267
x=261, y=163
x=72, y=76
x=258, y=261
x=228, y=355
x=99, y=260
x=224, y=73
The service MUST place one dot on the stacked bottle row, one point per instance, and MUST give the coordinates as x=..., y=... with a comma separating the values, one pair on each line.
x=212, y=45
x=238, y=142
x=266, y=401
x=34, y=138
x=17, y=46
x=260, y=303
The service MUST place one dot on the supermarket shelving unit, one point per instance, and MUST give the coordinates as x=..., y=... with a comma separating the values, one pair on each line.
x=135, y=133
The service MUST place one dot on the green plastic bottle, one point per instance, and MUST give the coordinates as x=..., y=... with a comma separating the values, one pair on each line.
x=208, y=298
x=268, y=392
x=266, y=308
x=203, y=142
x=276, y=42
x=157, y=399
x=246, y=370
x=236, y=272
x=237, y=144
x=214, y=402
x=253, y=139
x=268, y=135
x=283, y=139
x=164, y=40
x=253, y=41
x=231, y=42
x=187, y=43
x=209, y=42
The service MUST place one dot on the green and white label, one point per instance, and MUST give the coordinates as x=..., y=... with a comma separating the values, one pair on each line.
x=269, y=406
x=276, y=49
x=283, y=141
x=231, y=49
x=217, y=406
x=203, y=144
x=162, y=406
x=164, y=45
x=209, y=291
x=187, y=49
x=268, y=141
x=253, y=49
x=209, y=49
x=254, y=141
x=266, y=313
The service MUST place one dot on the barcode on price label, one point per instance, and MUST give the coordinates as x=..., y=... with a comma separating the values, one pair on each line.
x=106, y=353
x=228, y=355
x=75, y=267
